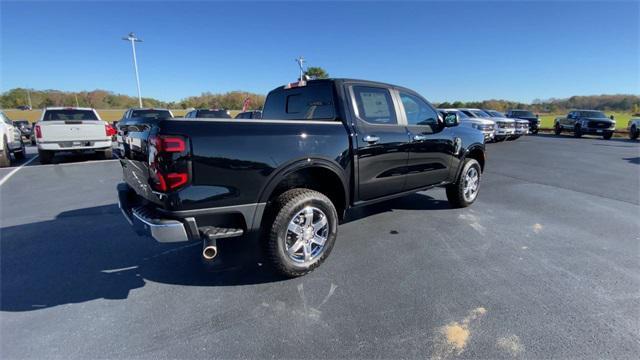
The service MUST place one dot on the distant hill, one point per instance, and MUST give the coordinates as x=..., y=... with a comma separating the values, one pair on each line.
x=102, y=99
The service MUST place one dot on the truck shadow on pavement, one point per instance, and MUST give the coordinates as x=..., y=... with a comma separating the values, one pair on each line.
x=92, y=253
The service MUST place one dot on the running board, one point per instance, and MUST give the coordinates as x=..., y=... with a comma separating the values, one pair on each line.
x=212, y=232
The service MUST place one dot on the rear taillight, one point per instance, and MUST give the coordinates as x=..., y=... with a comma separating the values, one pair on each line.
x=168, y=162
x=38, y=132
x=110, y=130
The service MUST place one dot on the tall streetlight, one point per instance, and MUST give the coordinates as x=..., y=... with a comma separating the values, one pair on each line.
x=133, y=39
x=300, y=60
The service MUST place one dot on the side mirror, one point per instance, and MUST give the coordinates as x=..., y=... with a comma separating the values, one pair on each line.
x=452, y=119
x=611, y=117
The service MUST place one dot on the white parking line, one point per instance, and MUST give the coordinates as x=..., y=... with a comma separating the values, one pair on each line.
x=4, y=179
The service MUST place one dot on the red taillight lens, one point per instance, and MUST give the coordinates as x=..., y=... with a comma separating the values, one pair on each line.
x=110, y=130
x=168, y=162
x=38, y=132
x=168, y=144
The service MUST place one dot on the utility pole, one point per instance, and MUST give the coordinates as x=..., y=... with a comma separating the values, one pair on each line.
x=300, y=60
x=76, y=96
x=29, y=98
x=133, y=39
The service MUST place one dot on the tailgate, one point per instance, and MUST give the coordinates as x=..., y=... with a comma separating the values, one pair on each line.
x=82, y=130
x=133, y=153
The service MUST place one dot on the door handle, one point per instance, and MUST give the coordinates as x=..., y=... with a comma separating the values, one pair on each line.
x=419, y=137
x=371, y=139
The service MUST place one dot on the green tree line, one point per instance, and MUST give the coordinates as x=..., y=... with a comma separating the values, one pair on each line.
x=621, y=103
x=102, y=99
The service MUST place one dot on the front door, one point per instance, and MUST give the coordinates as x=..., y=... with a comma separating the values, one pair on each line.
x=432, y=146
x=381, y=140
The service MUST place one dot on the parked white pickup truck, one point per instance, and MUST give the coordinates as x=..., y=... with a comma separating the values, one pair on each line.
x=10, y=141
x=72, y=129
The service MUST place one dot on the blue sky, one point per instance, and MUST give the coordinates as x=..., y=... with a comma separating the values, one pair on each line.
x=445, y=50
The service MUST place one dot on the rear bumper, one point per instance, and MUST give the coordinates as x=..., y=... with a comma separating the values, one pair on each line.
x=180, y=226
x=75, y=145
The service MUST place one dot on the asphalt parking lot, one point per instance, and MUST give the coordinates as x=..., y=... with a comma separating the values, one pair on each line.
x=546, y=264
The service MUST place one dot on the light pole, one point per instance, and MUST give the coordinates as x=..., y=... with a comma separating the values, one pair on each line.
x=301, y=62
x=133, y=39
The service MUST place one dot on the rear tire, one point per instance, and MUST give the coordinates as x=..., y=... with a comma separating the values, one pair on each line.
x=557, y=129
x=459, y=193
x=107, y=154
x=33, y=140
x=633, y=133
x=535, y=132
x=46, y=156
x=290, y=209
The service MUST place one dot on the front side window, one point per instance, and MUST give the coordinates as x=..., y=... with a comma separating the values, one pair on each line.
x=418, y=112
x=375, y=105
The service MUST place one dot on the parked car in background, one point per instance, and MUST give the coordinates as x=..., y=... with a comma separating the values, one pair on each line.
x=534, y=120
x=634, y=128
x=487, y=127
x=208, y=114
x=10, y=141
x=253, y=114
x=25, y=128
x=74, y=129
x=322, y=147
x=24, y=107
x=522, y=126
x=151, y=113
x=586, y=122
x=505, y=128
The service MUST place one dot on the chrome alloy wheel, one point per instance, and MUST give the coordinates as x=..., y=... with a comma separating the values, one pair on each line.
x=471, y=184
x=306, y=235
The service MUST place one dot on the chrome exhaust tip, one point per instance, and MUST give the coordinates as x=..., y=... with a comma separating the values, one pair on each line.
x=209, y=249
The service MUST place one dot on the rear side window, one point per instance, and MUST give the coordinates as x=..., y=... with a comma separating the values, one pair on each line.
x=153, y=114
x=69, y=114
x=311, y=102
x=213, y=114
x=375, y=105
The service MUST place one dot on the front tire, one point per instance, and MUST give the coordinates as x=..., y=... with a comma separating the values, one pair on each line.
x=5, y=157
x=465, y=190
x=633, y=133
x=556, y=129
x=535, y=132
x=607, y=136
x=46, y=156
x=302, y=233
x=20, y=154
x=577, y=131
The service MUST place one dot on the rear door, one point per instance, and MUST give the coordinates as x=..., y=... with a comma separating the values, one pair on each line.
x=432, y=145
x=381, y=142
x=72, y=125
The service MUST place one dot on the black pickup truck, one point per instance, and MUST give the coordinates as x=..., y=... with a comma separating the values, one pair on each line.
x=321, y=147
x=586, y=122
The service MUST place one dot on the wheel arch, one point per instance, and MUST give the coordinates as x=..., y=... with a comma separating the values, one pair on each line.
x=305, y=173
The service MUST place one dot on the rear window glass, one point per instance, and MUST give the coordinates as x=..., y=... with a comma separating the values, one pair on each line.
x=69, y=114
x=213, y=114
x=153, y=114
x=522, y=113
x=311, y=102
x=375, y=105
